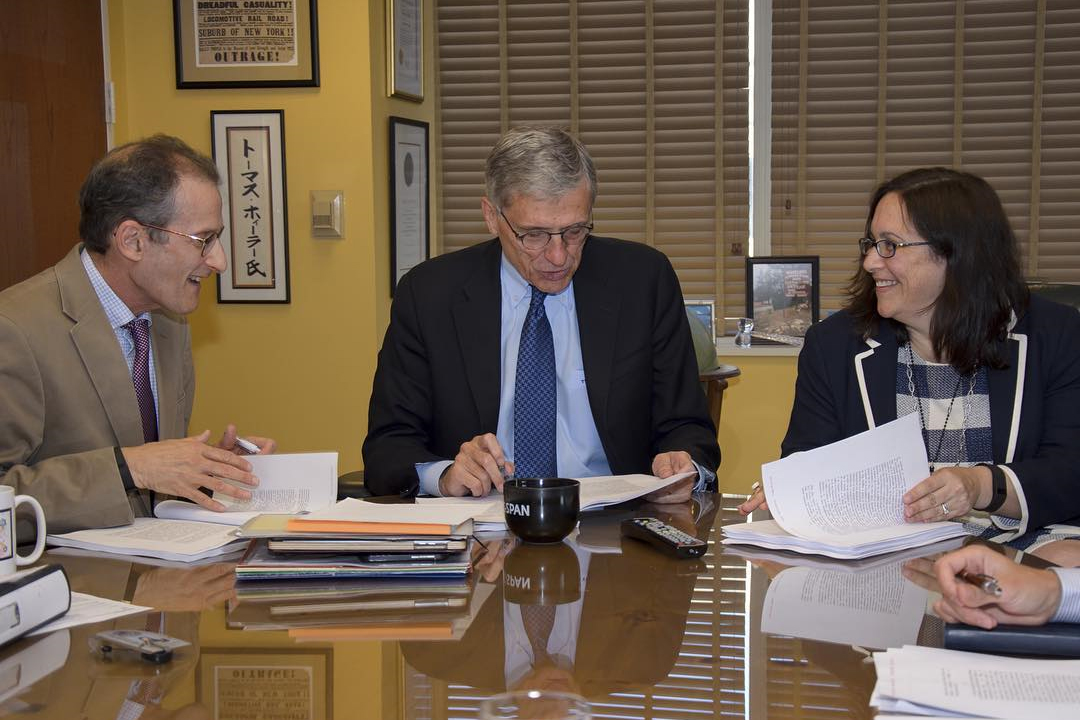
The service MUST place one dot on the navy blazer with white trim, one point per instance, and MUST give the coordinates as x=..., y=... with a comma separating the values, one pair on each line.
x=847, y=384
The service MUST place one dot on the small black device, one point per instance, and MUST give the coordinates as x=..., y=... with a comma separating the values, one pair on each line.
x=664, y=537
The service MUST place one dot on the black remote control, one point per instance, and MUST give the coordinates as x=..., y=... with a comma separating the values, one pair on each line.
x=664, y=537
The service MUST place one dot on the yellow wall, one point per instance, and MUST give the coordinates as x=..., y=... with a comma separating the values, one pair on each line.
x=301, y=372
x=754, y=418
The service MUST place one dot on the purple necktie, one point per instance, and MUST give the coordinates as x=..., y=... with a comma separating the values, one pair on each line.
x=140, y=375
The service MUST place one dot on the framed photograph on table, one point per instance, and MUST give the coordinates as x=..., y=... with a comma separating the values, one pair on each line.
x=253, y=682
x=405, y=48
x=236, y=45
x=249, y=149
x=782, y=294
x=408, y=196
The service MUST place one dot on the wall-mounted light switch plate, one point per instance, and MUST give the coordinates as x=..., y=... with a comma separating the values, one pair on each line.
x=327, y=213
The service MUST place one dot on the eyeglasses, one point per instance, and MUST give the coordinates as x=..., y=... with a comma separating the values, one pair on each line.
x=538, y=239
x=205, y=243
x=885, y=248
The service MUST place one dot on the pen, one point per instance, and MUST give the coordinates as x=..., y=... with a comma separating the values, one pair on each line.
x=985, y=583
x=247, y=446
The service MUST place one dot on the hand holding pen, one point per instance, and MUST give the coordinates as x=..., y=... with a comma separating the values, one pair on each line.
x=982, y=587
x=250, y=445
x=479, y=467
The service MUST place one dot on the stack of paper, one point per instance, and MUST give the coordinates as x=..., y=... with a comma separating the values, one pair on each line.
x=375, y=518
x=261, y=564
x=153, y=537
x=930, y=681
x=288, y=483
x=389, y=602
x=845, y=500
x=596, y=493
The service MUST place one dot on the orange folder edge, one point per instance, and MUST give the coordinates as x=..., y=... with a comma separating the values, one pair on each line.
x=367, y=528
x=418, y=632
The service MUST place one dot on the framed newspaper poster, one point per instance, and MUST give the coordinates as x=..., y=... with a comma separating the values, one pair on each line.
x=249, y=149
x=234, y=44
x=266, y=683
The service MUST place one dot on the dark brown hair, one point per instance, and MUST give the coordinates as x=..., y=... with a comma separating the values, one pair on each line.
x=962, y=218
x=137, y=181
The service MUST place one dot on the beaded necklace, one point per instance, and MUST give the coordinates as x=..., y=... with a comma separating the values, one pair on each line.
x=948, y=413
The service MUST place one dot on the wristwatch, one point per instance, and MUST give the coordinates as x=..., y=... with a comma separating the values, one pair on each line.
x=999, y=488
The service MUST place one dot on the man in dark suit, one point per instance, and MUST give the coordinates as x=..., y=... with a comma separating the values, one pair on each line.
x=568, y=353
x=615, y=620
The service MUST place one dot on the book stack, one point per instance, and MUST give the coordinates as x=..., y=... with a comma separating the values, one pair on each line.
x=362, y=541
x=359, y=570
x=362, y=610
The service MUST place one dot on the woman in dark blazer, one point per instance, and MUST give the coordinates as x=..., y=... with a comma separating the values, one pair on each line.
x=939, y=322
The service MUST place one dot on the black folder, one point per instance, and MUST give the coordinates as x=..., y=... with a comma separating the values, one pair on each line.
x=1056, y=639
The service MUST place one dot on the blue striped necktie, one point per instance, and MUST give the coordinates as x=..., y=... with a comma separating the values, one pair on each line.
x=535, y=396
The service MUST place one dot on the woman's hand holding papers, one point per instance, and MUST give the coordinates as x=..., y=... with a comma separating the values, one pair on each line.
x=1028, y=596
x=479, y=466
x=756, y=501
x=948, y=493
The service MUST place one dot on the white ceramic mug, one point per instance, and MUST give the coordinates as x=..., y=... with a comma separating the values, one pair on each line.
x=10, y=560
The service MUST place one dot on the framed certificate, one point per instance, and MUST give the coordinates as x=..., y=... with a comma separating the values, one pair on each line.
x=408, y=196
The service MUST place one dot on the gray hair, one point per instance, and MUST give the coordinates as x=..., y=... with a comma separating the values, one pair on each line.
x=540, y=162
x=137, y=181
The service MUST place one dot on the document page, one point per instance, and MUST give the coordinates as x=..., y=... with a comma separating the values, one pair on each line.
x=852, y=488
x=930, y=680
x=154, y=537
x=86, y=609
x=361, y=511
x=288, y=484
x=875, y=608
x=595, y=492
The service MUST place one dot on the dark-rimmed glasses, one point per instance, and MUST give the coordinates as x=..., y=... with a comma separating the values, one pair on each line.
x=885, y=248
x=205, y=243
x=537, y=239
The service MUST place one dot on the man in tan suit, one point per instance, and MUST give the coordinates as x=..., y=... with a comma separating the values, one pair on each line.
x=81, y=429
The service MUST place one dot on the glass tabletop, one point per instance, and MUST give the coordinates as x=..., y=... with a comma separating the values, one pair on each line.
x=737, y=633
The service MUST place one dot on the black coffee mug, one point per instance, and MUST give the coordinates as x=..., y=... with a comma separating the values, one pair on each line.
x=542, y=575
x=541, y=510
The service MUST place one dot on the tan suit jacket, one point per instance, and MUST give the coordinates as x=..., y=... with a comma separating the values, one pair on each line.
x=66, y=398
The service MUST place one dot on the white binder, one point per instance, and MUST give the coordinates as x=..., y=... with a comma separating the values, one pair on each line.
x=31, y=598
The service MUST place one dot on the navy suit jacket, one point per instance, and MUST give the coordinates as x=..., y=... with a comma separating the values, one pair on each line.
x=437, y=383
x=847, y=384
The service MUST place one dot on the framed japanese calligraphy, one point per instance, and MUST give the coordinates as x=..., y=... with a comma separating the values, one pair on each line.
x=405, y=48
x=782, y=293
x=249, y=149
x=246, y=44
x=256, y=682
x=408, y=196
